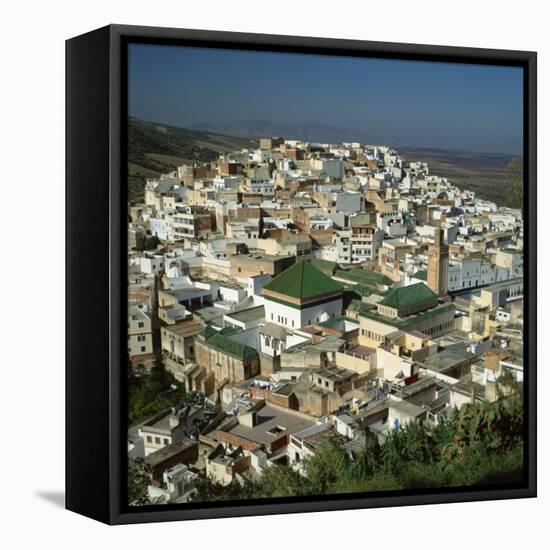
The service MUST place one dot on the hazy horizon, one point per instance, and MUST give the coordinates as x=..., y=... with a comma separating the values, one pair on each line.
x=407, y=104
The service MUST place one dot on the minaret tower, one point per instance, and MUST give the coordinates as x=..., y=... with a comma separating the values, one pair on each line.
x=438, y=265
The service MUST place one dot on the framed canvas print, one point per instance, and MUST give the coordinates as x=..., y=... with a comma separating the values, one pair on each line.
x=301, y=274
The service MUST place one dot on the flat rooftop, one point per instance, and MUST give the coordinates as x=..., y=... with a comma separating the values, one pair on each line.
x=210, y=314
x=406, y=407
x=160, y=422
x=251, y=258
x=362, y=352
x=275, y=331
x=336, y=374
x=448, y=358
x=185, y=328
x=166, y=452
x=247, y=315
x=273, y=422
x=187, y=292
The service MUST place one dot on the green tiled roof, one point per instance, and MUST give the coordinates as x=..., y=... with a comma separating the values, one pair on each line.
x=408, y=321
x=302, y=281
x=407, y=296
x=359, y=289
x=359, y=306
x=422, y=275
x=326, y=266
x=207, y=332
x=221, y=341
x=330, y=323
x=364, y=277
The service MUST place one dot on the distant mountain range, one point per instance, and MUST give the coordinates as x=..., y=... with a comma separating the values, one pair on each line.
x=306, y=131
x=320, y=132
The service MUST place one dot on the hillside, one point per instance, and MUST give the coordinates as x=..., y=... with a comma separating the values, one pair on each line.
x=155, y=148
x=484, y=173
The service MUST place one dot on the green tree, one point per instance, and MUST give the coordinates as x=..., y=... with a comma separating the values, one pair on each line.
x=151, y=391
x=405, y=445
x=489, y=427
x=151, y=243
x=443, y=433
x=367, y=462
x=207, y=490
x=281, y=481
x=478, y=444
x=139, y=477
x=329, y=468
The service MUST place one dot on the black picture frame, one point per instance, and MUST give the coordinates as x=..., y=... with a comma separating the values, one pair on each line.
x=96, y=292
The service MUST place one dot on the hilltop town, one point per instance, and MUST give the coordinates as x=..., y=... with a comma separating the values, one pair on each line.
x=295, y=293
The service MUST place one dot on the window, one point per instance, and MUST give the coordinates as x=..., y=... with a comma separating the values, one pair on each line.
x=157, y=440
x=149, y=439
x=140, y=324
x=143, y=348
x=165, y=441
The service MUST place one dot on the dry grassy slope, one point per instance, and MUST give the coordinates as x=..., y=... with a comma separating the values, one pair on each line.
x=483, y=173
x=155, y=148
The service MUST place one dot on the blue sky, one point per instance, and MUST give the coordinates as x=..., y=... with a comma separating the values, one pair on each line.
x=401, y=103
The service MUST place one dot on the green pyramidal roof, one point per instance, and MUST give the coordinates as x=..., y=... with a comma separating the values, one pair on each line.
x=422, y=274
x=407, y=296
x=302, y=281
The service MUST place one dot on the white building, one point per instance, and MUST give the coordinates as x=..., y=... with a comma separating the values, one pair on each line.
x=152, y=263
x=140, y=335
x=301, y=296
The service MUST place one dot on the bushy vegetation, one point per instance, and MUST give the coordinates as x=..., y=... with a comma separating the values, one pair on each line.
x=151, y=391
x=481, y=444
x=151, y=243
x=514, y=179
x=139, y=477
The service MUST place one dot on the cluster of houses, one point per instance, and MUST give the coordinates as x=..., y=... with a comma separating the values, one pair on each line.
x=307, y=289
